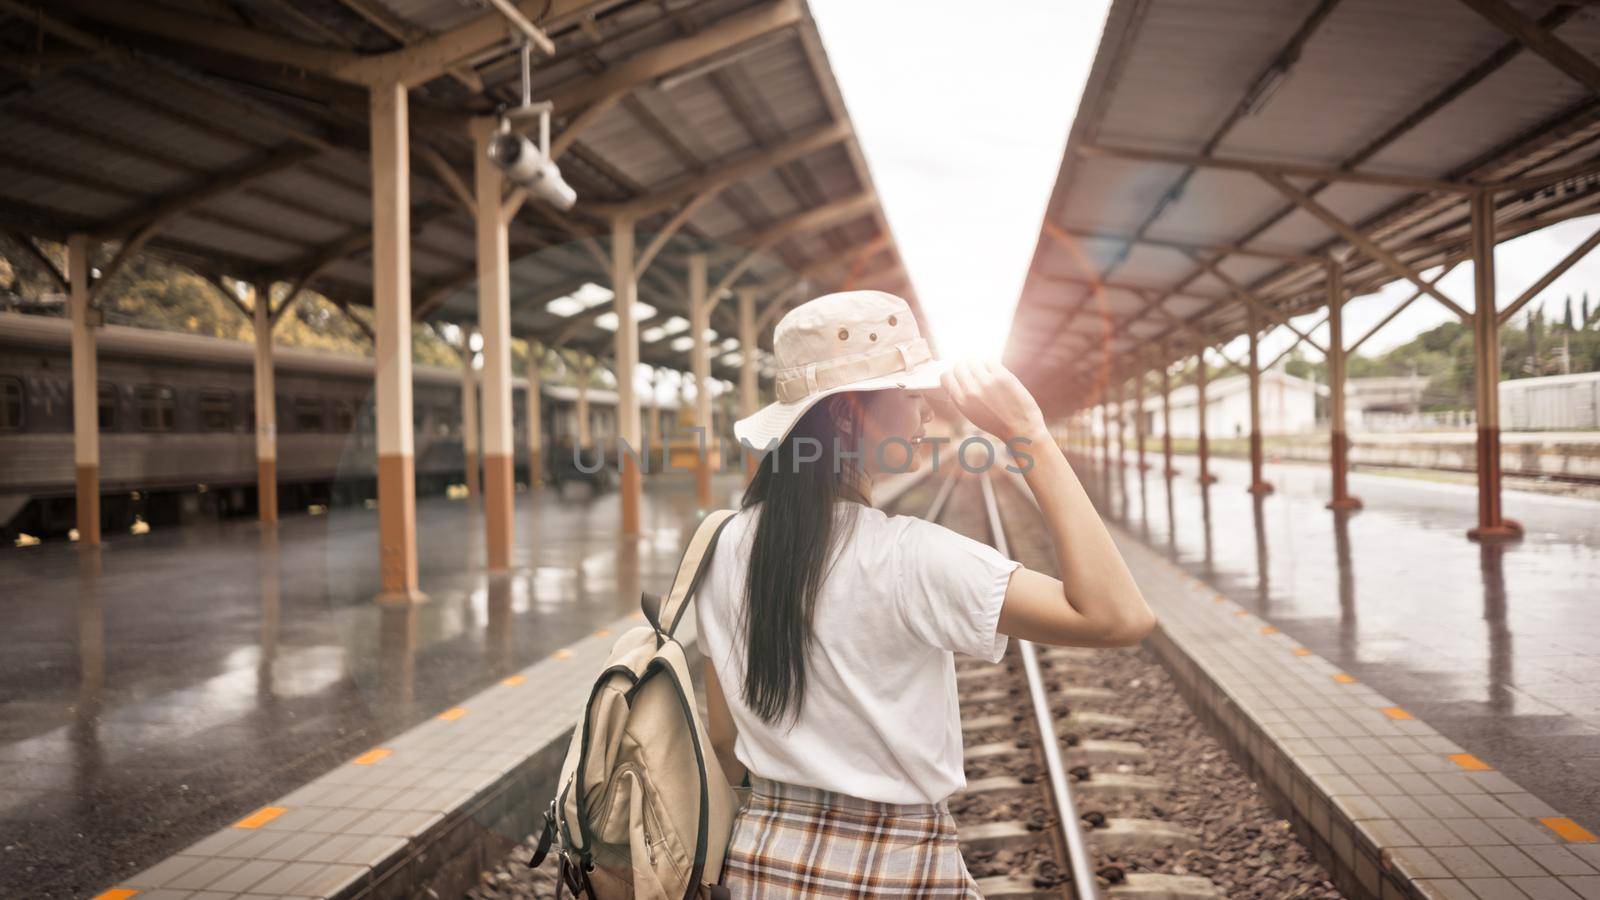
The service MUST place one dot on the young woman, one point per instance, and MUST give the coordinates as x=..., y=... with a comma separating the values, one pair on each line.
x=829, y=628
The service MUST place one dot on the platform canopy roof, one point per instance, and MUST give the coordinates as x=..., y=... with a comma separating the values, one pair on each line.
x=232, y=137
x=1227, y=150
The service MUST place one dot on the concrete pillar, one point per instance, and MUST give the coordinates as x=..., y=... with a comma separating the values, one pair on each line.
x=1338, y=441
x=1166, y=420
x=494, y=321
x=535, y=417
x=1105, y=445
x=1492, y=523
x=391, y=301
x=625, y=286
x=266, y=406
x=1202, y=439
x=1258, y=485
x=85, y=392
x=700, y=364
x=469, y=421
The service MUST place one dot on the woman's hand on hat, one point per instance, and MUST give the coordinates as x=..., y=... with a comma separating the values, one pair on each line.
x=994, y=400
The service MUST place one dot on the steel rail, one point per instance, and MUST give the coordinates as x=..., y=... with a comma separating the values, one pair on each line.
x=1071, y=828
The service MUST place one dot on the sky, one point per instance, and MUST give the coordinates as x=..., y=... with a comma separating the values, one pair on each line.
x=963, y=119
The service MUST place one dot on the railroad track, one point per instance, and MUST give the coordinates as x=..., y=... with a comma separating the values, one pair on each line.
x=1031, y=824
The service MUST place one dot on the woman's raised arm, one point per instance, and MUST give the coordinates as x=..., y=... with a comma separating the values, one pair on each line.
x=1096, y=602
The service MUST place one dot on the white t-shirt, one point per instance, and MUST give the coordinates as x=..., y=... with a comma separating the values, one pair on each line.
x=881, y=720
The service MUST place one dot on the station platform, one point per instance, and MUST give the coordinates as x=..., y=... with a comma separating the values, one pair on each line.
x=178, y=682
x=1422, y=705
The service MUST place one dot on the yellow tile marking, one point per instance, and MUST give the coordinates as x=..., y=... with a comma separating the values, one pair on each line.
x=1241, y=612
x=261, y=817
x=637, y=615
x=1395, y=712
x=604, y=632
x=1569, y=830
x=1302, y=651
x=1269, y=630
x=1342, y=678
x=1470, y=763
x=514, y=680
x=115, y=894
x=453, y=713
x=371, y=756
x=562, y=654
x=1219, y=599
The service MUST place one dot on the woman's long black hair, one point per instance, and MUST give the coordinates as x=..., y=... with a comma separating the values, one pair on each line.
x=795, y=535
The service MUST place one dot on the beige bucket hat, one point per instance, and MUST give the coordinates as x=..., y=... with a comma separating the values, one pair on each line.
x=849, y=341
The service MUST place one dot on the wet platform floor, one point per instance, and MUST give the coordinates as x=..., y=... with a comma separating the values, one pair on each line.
x=1497, y=646
x=155, y=691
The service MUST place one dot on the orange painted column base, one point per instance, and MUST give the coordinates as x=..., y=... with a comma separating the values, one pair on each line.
x=1492, y=525
x=499, y=476
x=397, y=530
x=1339, y=453
x=267, y=490
x=702, y=483
x=632, y=494
x=88, y=479
x=1258, y=485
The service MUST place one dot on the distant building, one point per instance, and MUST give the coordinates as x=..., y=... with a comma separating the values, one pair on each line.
x=1551, y=403
x=1288, y=406
x=1384, y=402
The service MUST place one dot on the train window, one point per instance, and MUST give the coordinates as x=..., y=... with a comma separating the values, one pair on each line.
x=11, y=405
x=158, y=407
x=216, y=411
x=344, y=418
x=108, y=406
x=308, y=413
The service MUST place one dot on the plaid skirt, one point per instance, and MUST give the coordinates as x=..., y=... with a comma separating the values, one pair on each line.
x=799, y=842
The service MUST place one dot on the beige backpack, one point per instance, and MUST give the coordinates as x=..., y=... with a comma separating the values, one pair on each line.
x=642, y=808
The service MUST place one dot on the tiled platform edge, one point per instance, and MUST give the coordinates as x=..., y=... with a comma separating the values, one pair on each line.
x=421, y=815
x=1388, y=805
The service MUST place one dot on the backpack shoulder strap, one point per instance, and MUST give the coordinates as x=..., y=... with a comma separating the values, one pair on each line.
x=665, y=613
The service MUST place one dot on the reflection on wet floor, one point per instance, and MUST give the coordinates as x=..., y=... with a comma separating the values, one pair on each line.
x=158, y=689
x=1495, y=645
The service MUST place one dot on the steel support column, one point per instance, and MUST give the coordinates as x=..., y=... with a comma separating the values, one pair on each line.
x=653, y=423
x=1492, y=523
x=1338, y=439
x=469, y=419
x=625, y=287
x=748, y=401
x=1258, y=485
x=266, y=391
x=581, y=410
x=85, y=392
x=700, y=364
x=391, y=300
x=1138, y=421
x=1166, y=421
x=1202, y=438
x=1116, y=416
x=535, y=401
x=494, y=322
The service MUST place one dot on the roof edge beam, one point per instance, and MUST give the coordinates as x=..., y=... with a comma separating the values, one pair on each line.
x=1359, y=240
x=1264, y=167
x=1540, y=40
